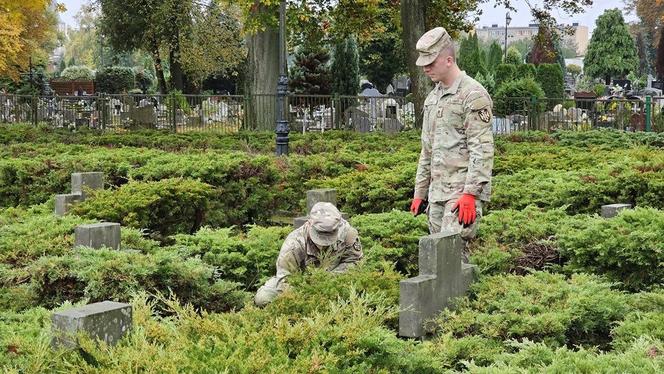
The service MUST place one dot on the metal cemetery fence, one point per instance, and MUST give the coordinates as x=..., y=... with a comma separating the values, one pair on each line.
x=232, y=113
x=220, y=113
x=523, y=114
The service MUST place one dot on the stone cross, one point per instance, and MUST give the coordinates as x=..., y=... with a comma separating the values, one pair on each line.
x=107, y=321
x=79, y=183
x=98, y=235
x=328, y=195
x=442, y=278
x=611, y=210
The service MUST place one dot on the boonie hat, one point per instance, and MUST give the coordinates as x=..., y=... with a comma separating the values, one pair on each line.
x=430, y=44
x=324, y=220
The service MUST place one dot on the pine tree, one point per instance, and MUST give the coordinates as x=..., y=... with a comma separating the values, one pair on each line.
x=311, y=75
x=345, y=67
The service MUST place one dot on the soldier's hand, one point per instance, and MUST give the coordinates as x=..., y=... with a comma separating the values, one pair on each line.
x=415, y=206
x=466, y=209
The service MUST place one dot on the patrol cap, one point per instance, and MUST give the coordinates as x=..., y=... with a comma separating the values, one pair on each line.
x=430, y=44
x=324, y=220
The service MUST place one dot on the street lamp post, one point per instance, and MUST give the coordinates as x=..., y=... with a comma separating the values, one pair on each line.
x=282, y=86
x=508, y=19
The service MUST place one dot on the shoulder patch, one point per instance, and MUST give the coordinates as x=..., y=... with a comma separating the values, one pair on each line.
x=484, y=115
x=478, y=101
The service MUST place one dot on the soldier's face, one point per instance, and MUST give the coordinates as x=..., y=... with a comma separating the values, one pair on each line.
x=439, y=68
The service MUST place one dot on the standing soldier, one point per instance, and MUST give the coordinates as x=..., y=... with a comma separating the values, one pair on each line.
x=454, y=170
x=326, y=240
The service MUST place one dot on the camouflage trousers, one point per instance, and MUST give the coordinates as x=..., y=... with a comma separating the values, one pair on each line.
x=441, y=218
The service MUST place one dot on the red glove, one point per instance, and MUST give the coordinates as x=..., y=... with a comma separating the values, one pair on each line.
x=466, y=208
x=415, y=206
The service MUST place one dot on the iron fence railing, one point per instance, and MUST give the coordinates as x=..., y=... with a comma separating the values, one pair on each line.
x=222, y=113
x=233, y=113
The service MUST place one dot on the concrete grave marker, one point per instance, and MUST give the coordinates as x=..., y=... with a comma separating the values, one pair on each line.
x=79, y=182
x=442, y=277
x=98, y=235
x=611, y=210
x=64, y=202
x=327, y=195
x=90, y=180
x=107, y=321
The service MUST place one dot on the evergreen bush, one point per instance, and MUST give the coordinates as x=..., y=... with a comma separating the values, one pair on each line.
x=115, y=80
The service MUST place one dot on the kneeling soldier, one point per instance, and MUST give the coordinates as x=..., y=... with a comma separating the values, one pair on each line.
x=326, y=240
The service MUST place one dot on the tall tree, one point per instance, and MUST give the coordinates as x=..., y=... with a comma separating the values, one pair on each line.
x=418, y=16
x=611, y=51
x=546, y=46
x=495, y=56
x=642, y=52
x=345, y=67
x=470, y=57
x=213, y=46
x=660, y=56
x=383, y=56
x=27, y=32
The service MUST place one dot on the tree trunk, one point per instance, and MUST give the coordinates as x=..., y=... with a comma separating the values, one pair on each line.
x=262, y=73
x=607, y=80
x=177, y=75
x=413, y=19
x=159, y=70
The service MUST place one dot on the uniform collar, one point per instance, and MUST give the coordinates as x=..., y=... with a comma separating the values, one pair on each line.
x=454, y=87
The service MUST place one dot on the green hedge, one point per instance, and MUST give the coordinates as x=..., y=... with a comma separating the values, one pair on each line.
x=162, y=207
x=550, y=78
x=515, y=97
x=628, y=248
x=114, y=80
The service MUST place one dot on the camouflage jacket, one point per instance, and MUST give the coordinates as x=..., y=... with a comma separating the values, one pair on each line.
x=298, y=251
x=457, y=143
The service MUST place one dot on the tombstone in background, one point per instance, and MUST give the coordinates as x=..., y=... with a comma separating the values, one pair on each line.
x=144, y=115
x=107, y=321
x=392, y=126
x=64, y=202
x=443, y=277
x=79, y=183
x=611, y=210
x=328, y=195
x=90, y=180
x=359, y=119
x=98, y=235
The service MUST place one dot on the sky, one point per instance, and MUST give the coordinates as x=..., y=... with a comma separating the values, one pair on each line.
x=523, y=16
x=490, y=14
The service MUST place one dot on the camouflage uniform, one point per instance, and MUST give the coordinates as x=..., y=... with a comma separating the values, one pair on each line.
x=457, y=152
x=299, y=251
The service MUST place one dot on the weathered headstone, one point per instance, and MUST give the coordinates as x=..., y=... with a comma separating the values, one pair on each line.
x=611, y=210
x=98, y=235
x=63, y=203
x=359, y=119
x=328, y=195
x=442, y=278
x=392, y=126
x=90, y=180
x=106, y=321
